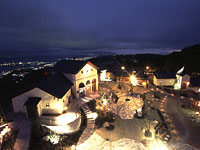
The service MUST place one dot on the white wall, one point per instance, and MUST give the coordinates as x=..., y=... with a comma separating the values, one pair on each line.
x=18, y=101
x=88, y=72
x=103, y=75
x=163, y=82
x=55, y=104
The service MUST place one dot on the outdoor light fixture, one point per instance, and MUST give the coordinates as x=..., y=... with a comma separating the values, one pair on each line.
x=199, y=104
x=133, y=80
x=123, y=68
x=104, y=102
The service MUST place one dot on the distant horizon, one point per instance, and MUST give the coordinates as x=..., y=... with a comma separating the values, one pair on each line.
x=56, y=55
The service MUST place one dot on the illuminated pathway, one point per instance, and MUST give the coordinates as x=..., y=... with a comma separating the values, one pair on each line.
x=23, y=137
x=90, y=124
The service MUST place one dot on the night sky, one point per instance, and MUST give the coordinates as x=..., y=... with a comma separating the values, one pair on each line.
x=42, y=26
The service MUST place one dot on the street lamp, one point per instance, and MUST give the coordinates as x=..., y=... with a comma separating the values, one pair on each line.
x=133, y=80
x=123, y=68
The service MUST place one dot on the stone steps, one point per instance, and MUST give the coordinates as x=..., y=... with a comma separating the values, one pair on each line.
x=90, y=124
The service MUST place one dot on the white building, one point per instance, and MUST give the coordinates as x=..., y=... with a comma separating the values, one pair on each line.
x=83, y=75
x=182, y=80
x=164, y=78
x=50, y=95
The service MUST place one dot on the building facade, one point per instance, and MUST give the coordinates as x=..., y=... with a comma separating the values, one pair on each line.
x=164, y=79
x=49, y=96
x=83, y=75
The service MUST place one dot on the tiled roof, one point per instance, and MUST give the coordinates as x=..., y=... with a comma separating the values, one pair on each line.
x=56, y=85
x=69, y=66
x=165, y=75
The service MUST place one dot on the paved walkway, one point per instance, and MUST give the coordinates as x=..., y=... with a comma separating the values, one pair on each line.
x=186, y=130
x=90, y=124
x=24, y=126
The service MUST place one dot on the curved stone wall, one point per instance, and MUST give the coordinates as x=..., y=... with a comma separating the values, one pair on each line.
x=64, y=129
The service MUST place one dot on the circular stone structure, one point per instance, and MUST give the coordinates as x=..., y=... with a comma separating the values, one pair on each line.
x=126, y=108
x=66, y=123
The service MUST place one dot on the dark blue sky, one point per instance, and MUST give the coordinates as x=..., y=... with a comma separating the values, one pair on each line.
x=43, y=26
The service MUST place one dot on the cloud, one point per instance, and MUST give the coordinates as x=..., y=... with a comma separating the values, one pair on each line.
x=81, y=25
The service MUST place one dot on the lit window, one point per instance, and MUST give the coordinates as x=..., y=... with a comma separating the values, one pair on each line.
x=47, y=104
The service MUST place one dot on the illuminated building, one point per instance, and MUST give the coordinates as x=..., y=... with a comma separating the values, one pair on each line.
x=83, y=74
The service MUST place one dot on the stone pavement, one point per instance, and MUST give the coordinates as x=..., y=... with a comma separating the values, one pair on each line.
x=24, y=126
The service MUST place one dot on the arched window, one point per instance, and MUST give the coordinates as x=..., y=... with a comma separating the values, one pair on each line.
x=81, y=85
x=88, y=82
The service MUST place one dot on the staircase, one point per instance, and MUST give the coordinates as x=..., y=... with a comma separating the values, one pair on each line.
x=90, y=124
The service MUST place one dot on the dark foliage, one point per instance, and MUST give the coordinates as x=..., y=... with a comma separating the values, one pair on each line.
x=9, y=140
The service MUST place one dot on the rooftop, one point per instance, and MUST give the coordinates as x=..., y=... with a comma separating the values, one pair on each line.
x=165, y=75
x=71, y=66
x=56, y=85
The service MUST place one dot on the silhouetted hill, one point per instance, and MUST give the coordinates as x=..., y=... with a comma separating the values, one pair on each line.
x=188, y=57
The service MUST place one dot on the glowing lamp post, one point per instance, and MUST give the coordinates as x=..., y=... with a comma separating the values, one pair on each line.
x=188, y=83
x=133, y=80
x=199, y=104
